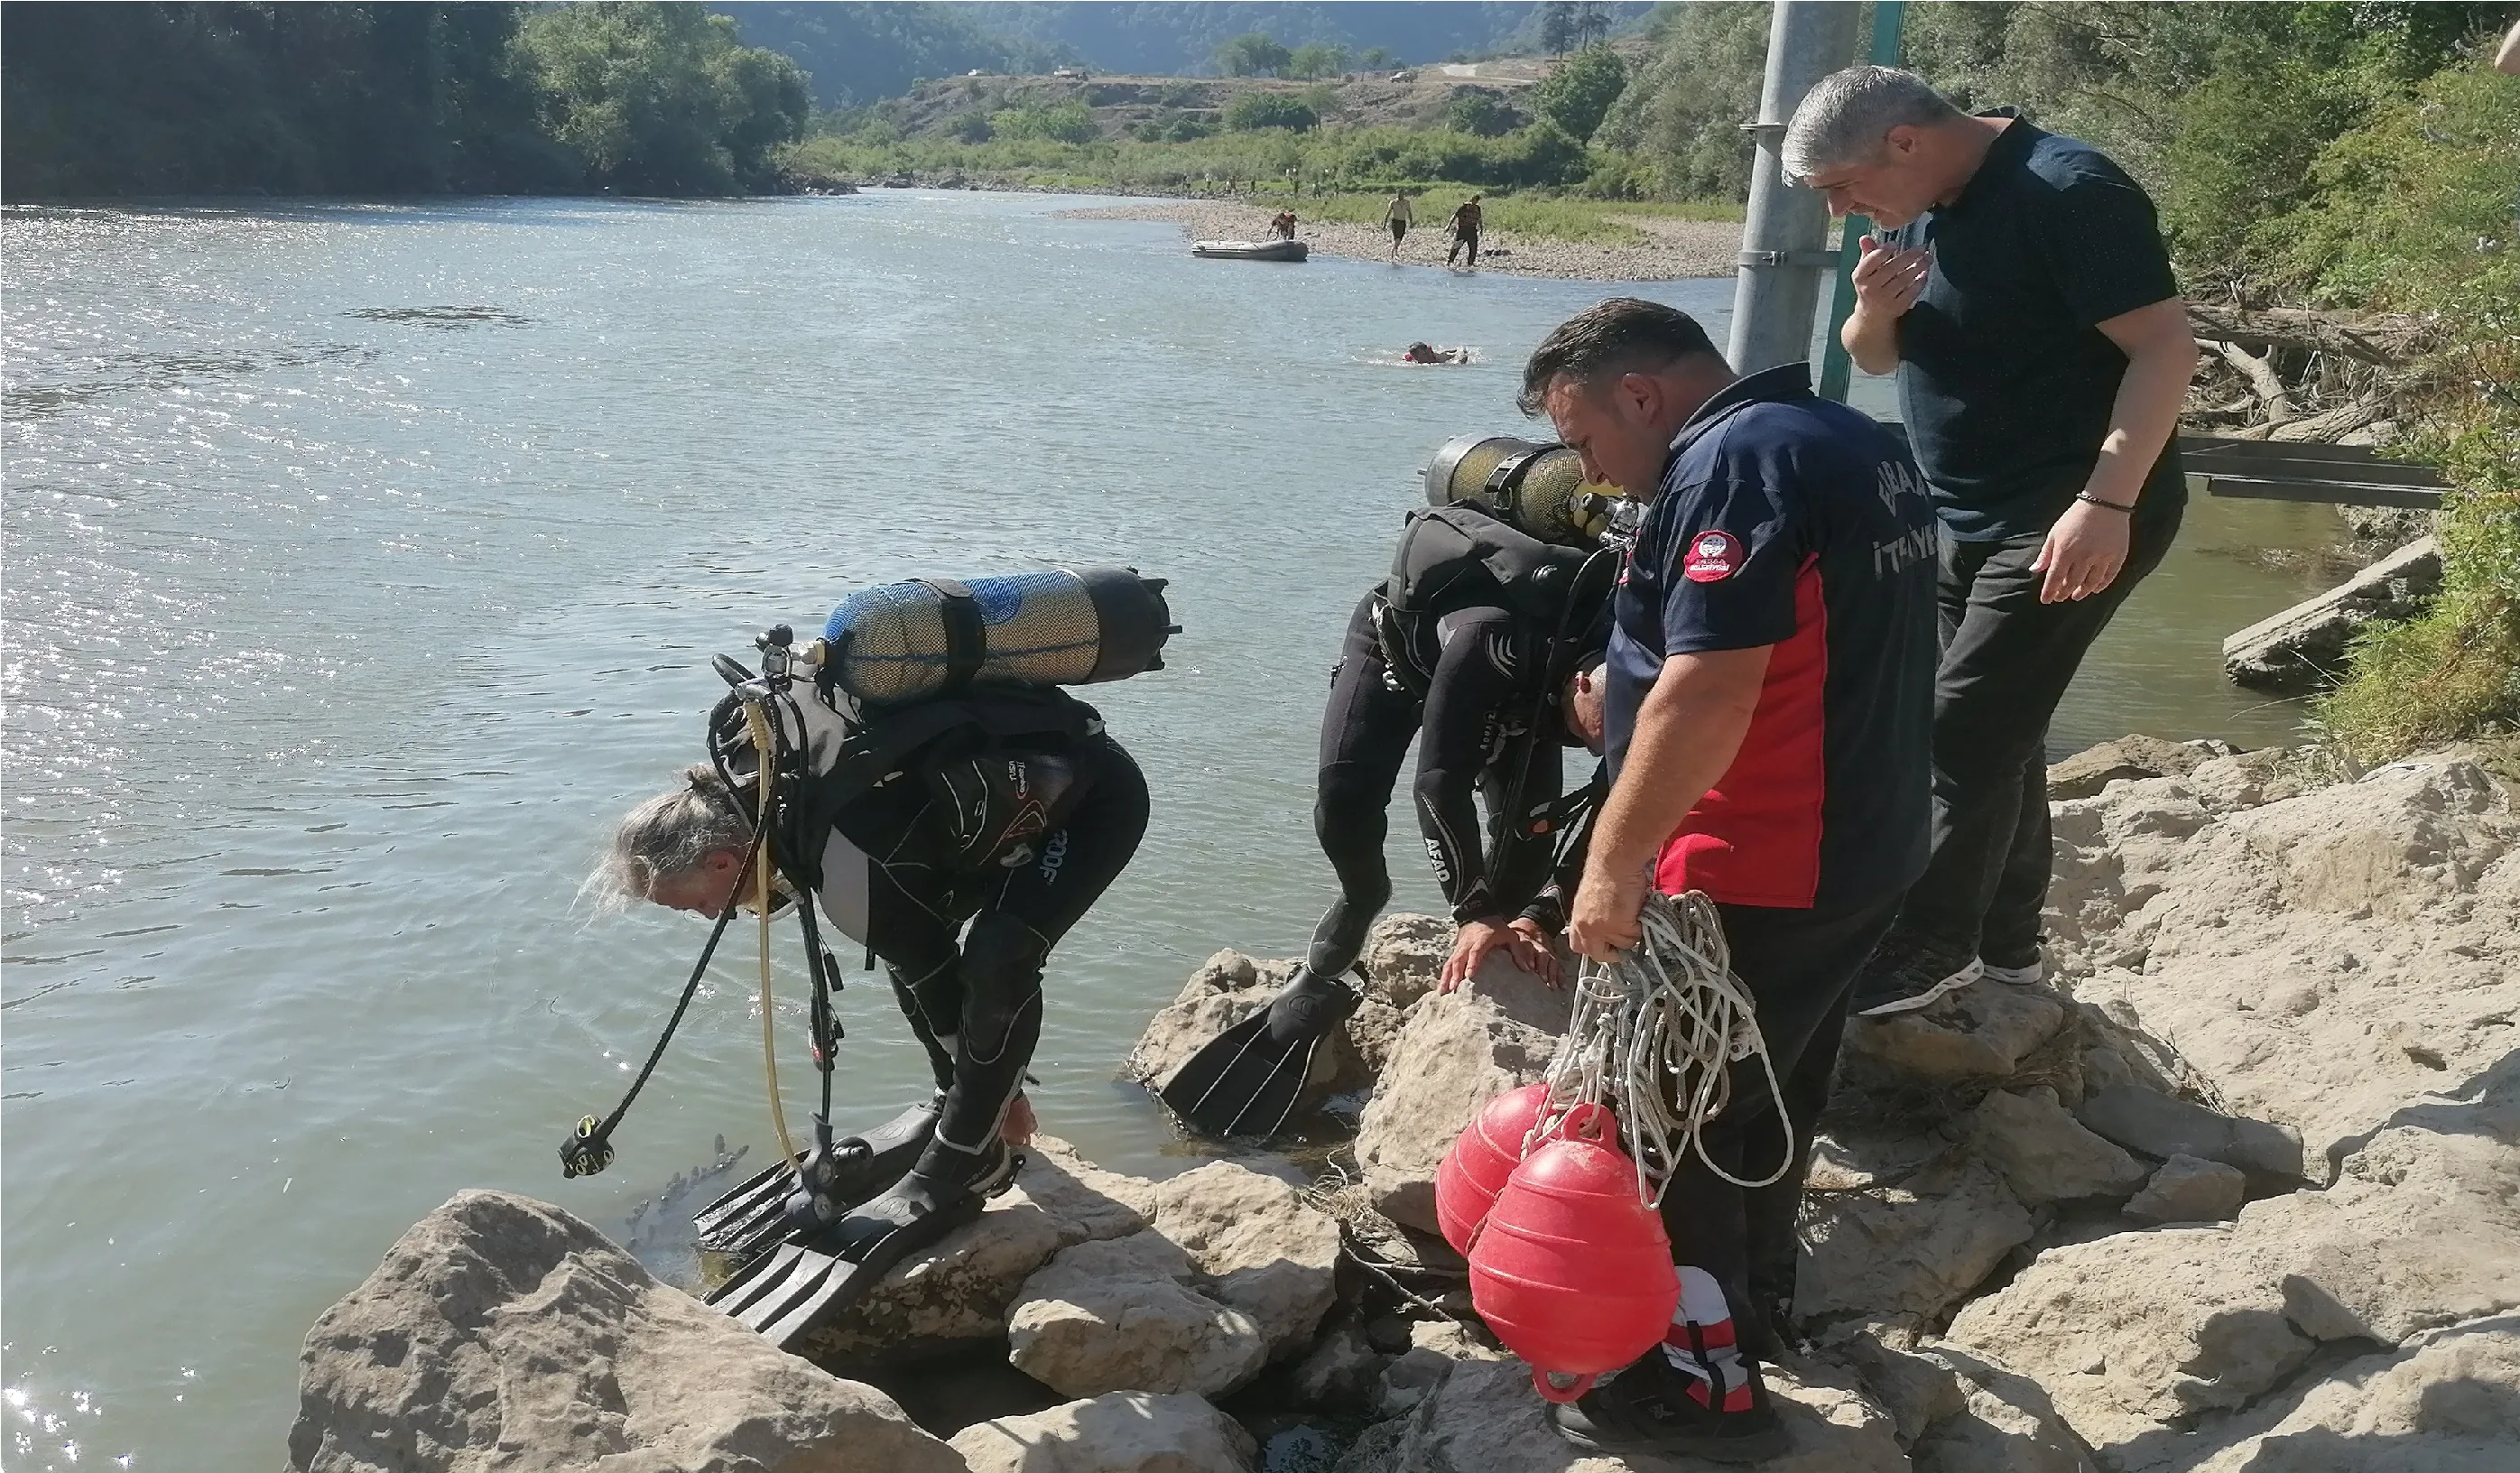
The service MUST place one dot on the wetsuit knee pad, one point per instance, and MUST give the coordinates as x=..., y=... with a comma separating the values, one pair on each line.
x=1002, y=961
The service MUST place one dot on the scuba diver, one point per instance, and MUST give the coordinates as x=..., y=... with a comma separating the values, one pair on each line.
x=1491, y=673
x=956, y=829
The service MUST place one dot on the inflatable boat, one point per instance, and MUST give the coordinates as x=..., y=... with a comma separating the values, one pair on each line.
x=1251, y=251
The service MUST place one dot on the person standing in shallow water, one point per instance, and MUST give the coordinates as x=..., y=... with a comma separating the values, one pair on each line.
x=2020, y=291
x=1466, y=230
x=1768, y=712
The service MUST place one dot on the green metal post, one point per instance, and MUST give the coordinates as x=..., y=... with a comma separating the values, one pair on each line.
x=1834, y=369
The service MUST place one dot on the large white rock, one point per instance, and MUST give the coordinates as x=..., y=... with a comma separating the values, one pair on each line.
x=2321, y=958
x=2136, y=1333
x=1230, y=987
x=1455, y=1052
x=959, y=1291
x=1913, y=1247
x=2188, y=1189
x=1484, y=1417
x=1985, y=1031
x=2452, y=1404
x=1259, y=1247
x=2045, y=1155
x=501, y=1333
x=2006, y=1424
x=1121, y=1316
x=1125, y=1432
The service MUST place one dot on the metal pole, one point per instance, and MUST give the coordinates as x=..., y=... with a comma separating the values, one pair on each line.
x=1783, y=241
x=1835, y=368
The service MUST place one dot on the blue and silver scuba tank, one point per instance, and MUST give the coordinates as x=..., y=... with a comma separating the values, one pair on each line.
x=931, y=637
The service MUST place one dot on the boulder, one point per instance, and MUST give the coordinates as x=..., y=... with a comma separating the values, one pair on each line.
x=2188, y=1190
x=1341, y=1372
x=1455, y=1052
x=2451, y=1404
x=1918, y=1390
x=959, y=1291
x=2162, y=1127
x=1120, y=1315
x=1914, y=1247
x=1259, y=1246
x=2136, y=1333
x=2095, y=766
x=502, y=1333
x=2043, y=1154
x=2006, y=1424
x=1404, y=958
x=1484, y=1417
x=1457, y=1340
x=2320, y=960
x=1980, y=1032
x=1125, y=1432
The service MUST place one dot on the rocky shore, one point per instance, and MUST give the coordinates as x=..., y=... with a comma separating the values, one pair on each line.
x=1680, y=247
x=2237, y=1192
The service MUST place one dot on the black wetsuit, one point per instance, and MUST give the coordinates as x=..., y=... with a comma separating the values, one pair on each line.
x=1473, y=728
x=1017, y=844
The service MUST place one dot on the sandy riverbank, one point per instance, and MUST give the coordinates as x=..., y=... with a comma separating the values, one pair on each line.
x=1681, y=248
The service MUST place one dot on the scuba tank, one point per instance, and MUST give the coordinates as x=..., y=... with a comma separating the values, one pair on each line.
x=1537, y=489
x=909, y=642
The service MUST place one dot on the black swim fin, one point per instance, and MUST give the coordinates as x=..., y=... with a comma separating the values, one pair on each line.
x=1245, y=1081
x=785, y=1294
x=752, y=1218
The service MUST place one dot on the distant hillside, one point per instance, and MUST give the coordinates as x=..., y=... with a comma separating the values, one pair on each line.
x=863, y=53
x=1181, y=39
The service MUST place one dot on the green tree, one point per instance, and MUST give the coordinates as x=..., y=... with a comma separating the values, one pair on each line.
x=1682, y=111
x=1254, y=55
x=1480, y=111
x=1557, y=27
x=1376, y=58
x=1316, y=60
x=1254, y=111
x=1070, y=122
x=1577, y=95
x=659, y=98
x=972, y=127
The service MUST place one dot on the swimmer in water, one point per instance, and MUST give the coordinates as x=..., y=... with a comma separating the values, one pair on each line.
x=1419, y=352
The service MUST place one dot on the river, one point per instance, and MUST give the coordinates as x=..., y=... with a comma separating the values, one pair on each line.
x=364, y=562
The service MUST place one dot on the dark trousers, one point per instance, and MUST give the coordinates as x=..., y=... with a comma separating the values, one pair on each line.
x=2006, y=661
x=1799, y=966
x=1466, y=237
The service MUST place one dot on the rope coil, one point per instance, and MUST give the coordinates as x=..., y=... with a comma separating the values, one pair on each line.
x=1651, y=1037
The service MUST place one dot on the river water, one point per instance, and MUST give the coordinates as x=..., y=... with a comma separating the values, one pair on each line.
x=364, y=562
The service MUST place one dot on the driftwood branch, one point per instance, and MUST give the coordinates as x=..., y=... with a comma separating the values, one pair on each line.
x=2383, y=341
x=2263, y=381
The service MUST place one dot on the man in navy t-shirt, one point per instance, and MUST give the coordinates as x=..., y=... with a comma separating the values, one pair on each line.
x=2021, y=292
x=1769, y=709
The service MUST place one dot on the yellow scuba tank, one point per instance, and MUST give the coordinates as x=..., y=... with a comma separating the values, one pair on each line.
x=1538, y=489
x=907, y=642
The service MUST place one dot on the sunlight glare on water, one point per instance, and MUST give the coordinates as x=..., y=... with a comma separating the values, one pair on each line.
x=365, y=562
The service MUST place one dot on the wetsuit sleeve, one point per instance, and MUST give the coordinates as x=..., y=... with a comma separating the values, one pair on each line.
x=2101, y=243
x=1549, y=909
x=1728, y=557
x=1467, y=703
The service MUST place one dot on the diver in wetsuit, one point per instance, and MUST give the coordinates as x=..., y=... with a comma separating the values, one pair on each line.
x=960, y=872
x=1491, y=691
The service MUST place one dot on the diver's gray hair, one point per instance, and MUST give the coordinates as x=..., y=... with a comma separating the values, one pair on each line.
x=1846, y=114
x=670, y=834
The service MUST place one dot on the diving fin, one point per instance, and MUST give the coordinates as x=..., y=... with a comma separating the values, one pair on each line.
x=1245, y=1081
x=785, y=1294
x=843, y=1172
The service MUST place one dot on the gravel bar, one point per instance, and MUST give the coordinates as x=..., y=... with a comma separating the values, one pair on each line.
x=1680, y=247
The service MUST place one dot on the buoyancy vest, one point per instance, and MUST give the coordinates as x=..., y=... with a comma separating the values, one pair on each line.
x=1456, y=556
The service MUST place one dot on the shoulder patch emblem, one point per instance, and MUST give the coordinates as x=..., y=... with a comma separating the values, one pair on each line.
x=1712, y=558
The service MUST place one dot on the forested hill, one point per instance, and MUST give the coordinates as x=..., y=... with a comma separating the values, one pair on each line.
x=860, y=53
x=863, y=53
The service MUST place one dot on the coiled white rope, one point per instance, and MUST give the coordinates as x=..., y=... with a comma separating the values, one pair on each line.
x=1650, y=1039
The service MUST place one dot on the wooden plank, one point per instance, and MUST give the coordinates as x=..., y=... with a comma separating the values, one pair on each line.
x=2332, y=492
x=2369, y=473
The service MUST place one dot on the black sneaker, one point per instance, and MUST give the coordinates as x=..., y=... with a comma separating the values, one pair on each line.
x=1653, y=1407
x=1909, y=970
x=2025, y=966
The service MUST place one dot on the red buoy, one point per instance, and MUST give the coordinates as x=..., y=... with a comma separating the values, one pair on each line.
x=1571, y=1271
x=1475, y=1169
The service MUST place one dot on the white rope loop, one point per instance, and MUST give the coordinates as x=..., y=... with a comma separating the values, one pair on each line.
x=1650, y=1038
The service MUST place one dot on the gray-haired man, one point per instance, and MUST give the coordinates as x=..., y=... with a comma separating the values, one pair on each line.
x=2021, y=292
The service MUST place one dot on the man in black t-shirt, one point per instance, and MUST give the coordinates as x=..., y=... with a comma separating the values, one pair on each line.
x=2020, y=291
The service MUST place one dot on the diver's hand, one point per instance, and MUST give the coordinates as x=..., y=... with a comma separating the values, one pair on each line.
x=1470, y=947
x=1020, y=1122
x=1535, y=951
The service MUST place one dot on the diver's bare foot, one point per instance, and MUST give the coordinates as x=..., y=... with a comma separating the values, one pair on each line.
x=1019, y=1124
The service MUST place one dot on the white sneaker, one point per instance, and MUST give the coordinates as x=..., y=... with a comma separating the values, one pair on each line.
x=2030, y=975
